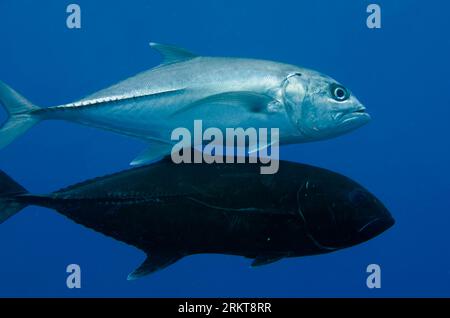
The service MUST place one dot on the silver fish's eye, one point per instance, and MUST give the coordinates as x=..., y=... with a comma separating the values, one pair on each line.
x=339, y=92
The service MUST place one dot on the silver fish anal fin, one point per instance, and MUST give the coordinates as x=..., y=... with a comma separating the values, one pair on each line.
x=157, y=150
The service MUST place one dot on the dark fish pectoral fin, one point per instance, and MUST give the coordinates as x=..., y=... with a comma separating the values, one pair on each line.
x=266, y=259
x=153, y=263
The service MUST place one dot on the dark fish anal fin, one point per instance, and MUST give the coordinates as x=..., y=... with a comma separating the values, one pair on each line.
x=266, y=259
x=155, y=262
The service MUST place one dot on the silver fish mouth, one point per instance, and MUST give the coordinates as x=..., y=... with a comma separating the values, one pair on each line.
x=358, y=115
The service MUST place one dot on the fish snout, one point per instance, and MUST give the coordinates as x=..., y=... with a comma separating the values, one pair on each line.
x=353, y=117
x=375, y=227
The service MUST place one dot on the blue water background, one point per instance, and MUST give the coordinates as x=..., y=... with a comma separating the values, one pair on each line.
x=400, y=72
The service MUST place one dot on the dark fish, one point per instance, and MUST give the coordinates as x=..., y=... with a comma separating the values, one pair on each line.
x=170, y=211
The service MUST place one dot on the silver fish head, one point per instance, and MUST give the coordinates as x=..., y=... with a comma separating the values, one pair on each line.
x=340, y=213
x=320, y=107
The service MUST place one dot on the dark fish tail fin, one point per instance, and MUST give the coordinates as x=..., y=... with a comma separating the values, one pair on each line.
x=20, y=115
x=9, y=190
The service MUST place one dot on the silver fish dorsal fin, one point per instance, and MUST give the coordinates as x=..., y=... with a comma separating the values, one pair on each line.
x=172, y=54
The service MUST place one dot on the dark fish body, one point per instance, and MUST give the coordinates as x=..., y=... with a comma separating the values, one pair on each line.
x=170, y=211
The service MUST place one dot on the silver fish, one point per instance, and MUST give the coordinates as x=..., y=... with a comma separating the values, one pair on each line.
x=304, y=105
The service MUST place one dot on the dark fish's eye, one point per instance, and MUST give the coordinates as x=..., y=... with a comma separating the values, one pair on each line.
x=358, y=197
x=339, y=92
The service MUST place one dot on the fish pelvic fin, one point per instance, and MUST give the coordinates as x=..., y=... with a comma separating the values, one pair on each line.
x=9, y=190
x=155, y=262
x=21, y=115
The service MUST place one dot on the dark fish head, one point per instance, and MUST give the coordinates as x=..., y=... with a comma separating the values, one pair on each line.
x=339, y=213
x=320, y=107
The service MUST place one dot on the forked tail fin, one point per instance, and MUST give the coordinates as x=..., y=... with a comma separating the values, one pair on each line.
x=9, y=190
x=20, y=112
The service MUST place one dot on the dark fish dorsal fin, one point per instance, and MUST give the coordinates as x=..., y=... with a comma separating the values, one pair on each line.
x=172, y=54
x=153, y=263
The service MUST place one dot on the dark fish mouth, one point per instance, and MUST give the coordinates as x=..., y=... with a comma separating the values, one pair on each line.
x=375, y=227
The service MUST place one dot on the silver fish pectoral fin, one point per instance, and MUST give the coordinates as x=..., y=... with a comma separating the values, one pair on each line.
x=252, y=102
